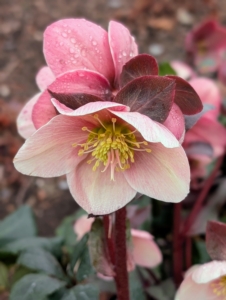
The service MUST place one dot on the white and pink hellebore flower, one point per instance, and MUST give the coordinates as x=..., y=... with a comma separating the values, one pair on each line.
x=106, y=119
x=204, y=282
x=145, y=251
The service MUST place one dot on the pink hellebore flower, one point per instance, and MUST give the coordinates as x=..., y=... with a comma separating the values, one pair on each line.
x=204, y=282
x=207, y=138
x=145, y=251
x=206, y=44
x=183, y=70
x=106, y=121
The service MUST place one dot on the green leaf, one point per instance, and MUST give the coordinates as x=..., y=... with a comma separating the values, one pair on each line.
x=164, y=291
x=14, y=248
x=135, y=288
x=19, y=224
x=79, y=292
x=78, y=251
x=35, y=287
x=85, y=268
x=18, y=273
x=40, y=260
x=200, y=255
x=3, y=277
x=166, y=69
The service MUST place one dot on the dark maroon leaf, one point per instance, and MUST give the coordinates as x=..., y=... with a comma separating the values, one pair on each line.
x=74, y=101
x=150, y=95
x=216, y=240
x=186, y=97
x=138, y=66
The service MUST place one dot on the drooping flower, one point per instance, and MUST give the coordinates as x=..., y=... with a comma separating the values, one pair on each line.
x=204, y=282
x=207, y=138
x=103, y=120
x=145, y=251
x=206, y=44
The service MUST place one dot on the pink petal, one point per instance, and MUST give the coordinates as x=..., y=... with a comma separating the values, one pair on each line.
x=183, y=70
x=82, y=226
x=123, y=46
x=49, y=151
x=209, y=271
x=44, y=78
x=175, y=122
x=163, y=174
x=150, y=130
x=192, y=290
x=209, y=93
x=146, y=253
x=69, y=83
x=95, y=192
x=25, y=124
x=88, y=108
x=74, y=44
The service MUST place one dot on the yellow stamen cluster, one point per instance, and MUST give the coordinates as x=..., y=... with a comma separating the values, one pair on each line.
x=219, y=287
x=112, y=145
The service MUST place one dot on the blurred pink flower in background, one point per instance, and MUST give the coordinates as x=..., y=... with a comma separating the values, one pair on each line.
x=204, y=282
x=206, y=44
x=183, y=70
x=145, y=251
x=206, y=140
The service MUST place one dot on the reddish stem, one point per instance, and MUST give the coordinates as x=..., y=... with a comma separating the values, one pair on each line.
x=109, y=240
x=177, y=245
x=198, y=204
x=188, y=252
x=121, y=279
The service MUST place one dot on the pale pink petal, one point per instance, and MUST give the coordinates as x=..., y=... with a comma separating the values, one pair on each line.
x=209, y=93
x=209, y=271
x=95, y=192
x=82, y=226
x=49, y=151
x=74, y=44
x=25, y=124
x=146, y=253
x=123, y=46
x=183, y=70
x=189, y=290
x=151, y=131
x=175, y=122
x=69, y=83
x=163, y=174
x=44, y=78
x=89, y=108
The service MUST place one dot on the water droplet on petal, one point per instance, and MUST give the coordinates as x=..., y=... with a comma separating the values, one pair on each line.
x=124, y=53
x=72, y=40
x=64, y=34
x=94, y=43
x=72, y=50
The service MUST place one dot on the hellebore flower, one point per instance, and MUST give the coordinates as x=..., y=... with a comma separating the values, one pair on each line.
x=183, y=70
x=103, y=120
x=207, y=138
x=206, y=44
x=145, y=251
x=204, y=282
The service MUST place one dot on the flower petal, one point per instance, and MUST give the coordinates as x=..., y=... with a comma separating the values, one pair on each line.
x=80, y=81
x=49, y=151
x=122, y=45
x=74, y=44
x=183, y=70
x=146, y=253
x=44, y=78
x=82, y=226
x=95, y=192
x=89, y=108
x=163, y=174
x=25, y=124
x=209, y=271
x=175, y=122
x=150, y=130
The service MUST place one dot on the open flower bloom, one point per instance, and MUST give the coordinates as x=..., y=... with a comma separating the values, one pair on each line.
x=145, y=251
x=207, y=138
x=204, y=282
x=108, y=154
x=206, y=43
x=107, y=121
x=87, y=64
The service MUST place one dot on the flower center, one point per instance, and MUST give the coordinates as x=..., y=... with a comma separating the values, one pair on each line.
x=219, y=287
x=112, y=145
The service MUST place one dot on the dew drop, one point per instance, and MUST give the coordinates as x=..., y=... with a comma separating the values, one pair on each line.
x=72, y=40
x=94, y=43
x=124, y=53
x=72, y=50
x=80, y=74
x=64, y=34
